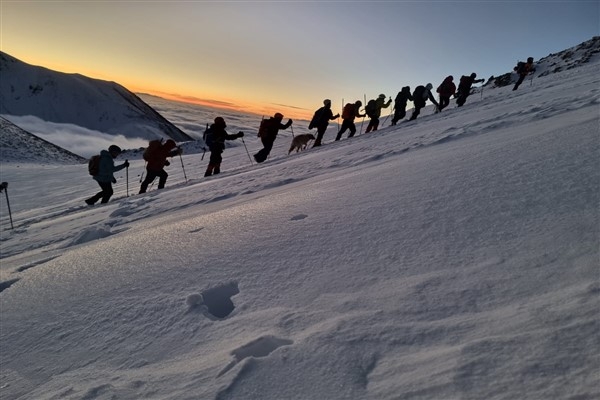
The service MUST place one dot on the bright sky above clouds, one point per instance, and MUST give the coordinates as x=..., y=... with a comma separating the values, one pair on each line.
x=267, y=56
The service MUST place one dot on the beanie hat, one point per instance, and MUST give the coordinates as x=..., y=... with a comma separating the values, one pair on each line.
x=114, y=149
x=219, y=121
x=278, y=116
x=473, y=75
x=429, y=86
x=530, y=59
x=170, y=143
x=382, y=96
x=327, y=102
x=358, y=103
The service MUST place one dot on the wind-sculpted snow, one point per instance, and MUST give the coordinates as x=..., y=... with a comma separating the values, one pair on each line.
x=452, y=257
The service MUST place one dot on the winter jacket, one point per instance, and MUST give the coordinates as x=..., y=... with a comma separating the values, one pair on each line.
x=402, y=97
x=273, y=128
x=525, y=68
x=322, y=117
x=106, y=168
x=219, y=136
x=159, y=156
x=425, y=94
x=379, y=104
x=447, y=88
x=465, y=83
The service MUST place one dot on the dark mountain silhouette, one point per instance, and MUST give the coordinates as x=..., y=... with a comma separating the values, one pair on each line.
x=76, y=99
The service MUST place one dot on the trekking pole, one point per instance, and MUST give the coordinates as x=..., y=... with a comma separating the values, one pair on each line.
x=4, y=186
x=291, y=126
x=386, y=118
x=247, y=152
x=182, y=167
x=127, y=179
x=338, y=119
x=204, y=139
x=142, y=175
x=363, y=120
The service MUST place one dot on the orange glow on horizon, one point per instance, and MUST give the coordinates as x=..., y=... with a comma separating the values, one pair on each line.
x=244, y=107
x=260, y=109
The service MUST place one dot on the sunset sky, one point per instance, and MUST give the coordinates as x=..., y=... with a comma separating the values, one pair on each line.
x=268, y=56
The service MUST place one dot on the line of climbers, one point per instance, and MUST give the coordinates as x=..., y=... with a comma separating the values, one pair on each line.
x=102, y=166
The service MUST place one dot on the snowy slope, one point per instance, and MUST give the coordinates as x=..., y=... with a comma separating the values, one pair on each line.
x=76, y=99
x=17, y=145
x=451, y=257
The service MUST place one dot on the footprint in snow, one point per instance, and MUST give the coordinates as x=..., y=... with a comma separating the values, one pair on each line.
x=299, y=217
x=261, y=347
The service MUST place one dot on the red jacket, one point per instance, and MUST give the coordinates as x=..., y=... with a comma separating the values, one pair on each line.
x=159, y=156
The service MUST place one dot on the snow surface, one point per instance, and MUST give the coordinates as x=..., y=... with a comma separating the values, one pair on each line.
x=451, y=257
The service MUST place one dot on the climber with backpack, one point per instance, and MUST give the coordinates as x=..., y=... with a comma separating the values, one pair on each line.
x=320, y=120
x=349, y=112
x=269, y=128
x=464, y=88
x=373, y=111
x=215, y=138
x=420, y=96
x=156, y=159
x=523, y=69
x=102, y=168
x=446, y=89
x=400, y=104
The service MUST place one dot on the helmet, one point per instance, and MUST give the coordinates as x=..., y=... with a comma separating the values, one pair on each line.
x=278, y=116
x=382, y=96
x=219, y=121
x=114, y=149
x=327, y=102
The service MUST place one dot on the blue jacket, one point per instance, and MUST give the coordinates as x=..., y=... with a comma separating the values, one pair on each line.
x=107, y=167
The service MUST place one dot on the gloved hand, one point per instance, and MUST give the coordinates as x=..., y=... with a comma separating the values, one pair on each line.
x=167, y=163
x=114, y=180
x=336, y=115
x=179, y=151
x=240, y=134
x=290, y=122
x=126, y=163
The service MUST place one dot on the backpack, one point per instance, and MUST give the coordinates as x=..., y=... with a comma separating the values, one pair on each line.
x=94, y=165
x=371, y=108
x=208, y=136
x=419, y=92
x=153, y=145
x=348, y=111
x=263, y=130
x=314, y=122
x=520, y=67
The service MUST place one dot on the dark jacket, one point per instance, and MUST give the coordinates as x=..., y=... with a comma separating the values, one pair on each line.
x=524, y=69
x=402, y=97
x=447, y=88
x=322, y=117
x=420, y=96
x=159, y=156
x=379, y=104
x=273, y=127
x=106, y=168
x=219, y=136
x=465, y=83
